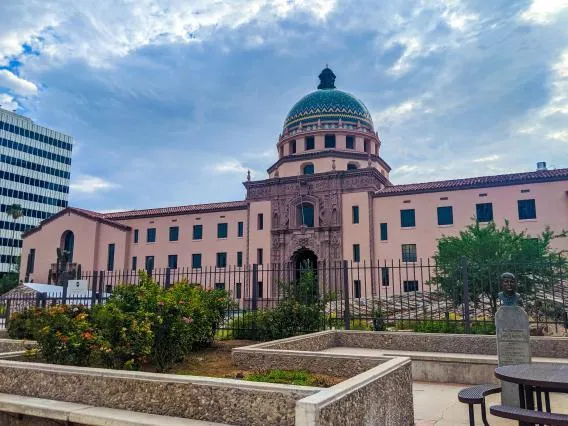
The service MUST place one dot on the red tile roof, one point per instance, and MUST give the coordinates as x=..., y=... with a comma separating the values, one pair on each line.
x=475, y=182
x=166, y=211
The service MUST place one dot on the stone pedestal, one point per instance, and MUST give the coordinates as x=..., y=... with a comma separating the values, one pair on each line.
x=513, y=346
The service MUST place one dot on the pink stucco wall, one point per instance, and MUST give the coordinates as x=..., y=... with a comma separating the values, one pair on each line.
x=321, y=165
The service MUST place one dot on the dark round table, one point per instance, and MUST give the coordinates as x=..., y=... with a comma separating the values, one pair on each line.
x=537, y=377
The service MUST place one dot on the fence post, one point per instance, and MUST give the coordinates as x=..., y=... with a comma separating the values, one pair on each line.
x=94, y=280
x=64, y=296
x=346, y=313
x=465, y=278
x=101, y=286
x=168, y=279
x=7, y=313
x=254, y=305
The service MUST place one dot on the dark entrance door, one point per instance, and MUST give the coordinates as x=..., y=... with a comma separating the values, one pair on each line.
x=305, y=264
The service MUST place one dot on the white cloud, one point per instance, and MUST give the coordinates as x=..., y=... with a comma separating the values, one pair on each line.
x=98, y=32
x=486, y=159
x=544, y=11
x=397, y=114
x=230, y=166
x=91, y=184
x=7, y=102
x=561, y=135
x=16, y=84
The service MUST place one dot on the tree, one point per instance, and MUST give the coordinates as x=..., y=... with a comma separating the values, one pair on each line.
x=487, y=251
x=16, y=212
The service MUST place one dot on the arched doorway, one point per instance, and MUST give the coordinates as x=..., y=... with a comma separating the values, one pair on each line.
x=305, y=264
x=68, y=243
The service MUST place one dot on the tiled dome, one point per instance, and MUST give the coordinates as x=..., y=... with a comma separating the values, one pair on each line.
x=327, y=103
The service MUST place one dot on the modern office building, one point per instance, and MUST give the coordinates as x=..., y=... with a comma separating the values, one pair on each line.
x=35, y=165
x=327, y=198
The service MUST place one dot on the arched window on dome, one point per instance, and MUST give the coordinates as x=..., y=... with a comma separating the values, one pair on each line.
x=352, y=166
x=293, y=147
x=305, y=215
x=308, y=169
x=329, y=141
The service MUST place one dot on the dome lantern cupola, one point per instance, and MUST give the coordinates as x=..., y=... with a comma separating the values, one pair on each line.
x=328, y=105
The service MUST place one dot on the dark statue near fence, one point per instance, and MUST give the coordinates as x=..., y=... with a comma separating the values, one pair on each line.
x=64, y=270
x=508, y=294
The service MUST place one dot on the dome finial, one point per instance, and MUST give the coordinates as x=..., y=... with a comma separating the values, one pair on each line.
x=327, y=79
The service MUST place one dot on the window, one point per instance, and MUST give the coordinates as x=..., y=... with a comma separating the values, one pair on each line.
x=151, y=235
x=196, y=260
x=385, y=279
x=350, y=142
x=240, y=229
x=172, y=261
x=292, y=147
x=409, y=286
x=110, y=257
x=356, y=253
x=135, y=236
x=357, y=289
x=366, y=146
x=445, y=215
x=484, y=212
x=329, y=141
x=134, y=263
x=351, y=166
x=31, y=261
x=310, y=143
x=174, y=233
x=222, y=260
x=260, y=290
x=308, y=169
x=282, y=151
x=355, y=213
x=259, y=258
x=149, y=263
x=305, y=215
x=219, y=286
x=409, y=253
x=222, y=230
x=407, y=218
x=527, y=209
x=239, y=258
x=238, y=290
x=384, y=231
x=260, y=221
x=197, y=232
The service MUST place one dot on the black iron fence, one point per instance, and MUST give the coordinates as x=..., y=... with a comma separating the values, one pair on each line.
x=421, y=296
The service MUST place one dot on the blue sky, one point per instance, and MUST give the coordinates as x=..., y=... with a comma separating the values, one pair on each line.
x=170, y=102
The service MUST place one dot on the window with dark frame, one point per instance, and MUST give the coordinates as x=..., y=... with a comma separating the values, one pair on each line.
x=238, y=291
x=221, y=260
x=196, y=260
x=174, y=233
x=197, y=232
x=357, y=289
x=222, y=230
x=384, y=231
x=484, y=212
x=410, y=285
x=445, y=215
x=355, y=214
x=260, y=290
x=351, y=166
x=385, y=278
x=151, y=235
x=240, y=229
x=407, y=218
x=310, y=143
x=350, y=142
x=305, y=215
x=31, y=261
x=409, y=253
x=149, y=263
x=293, y=147
x=134, y=263
x=356, y=253
x=308, y=169
x=172, y=261
x=239, y=258
x=527, y=209
x=110, y=257
x=329, y=141
x=259, y=257
x=260, y=222
x=135, y=236
x=219, y=286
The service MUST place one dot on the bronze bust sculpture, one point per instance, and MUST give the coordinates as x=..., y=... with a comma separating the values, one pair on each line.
x=508, y=294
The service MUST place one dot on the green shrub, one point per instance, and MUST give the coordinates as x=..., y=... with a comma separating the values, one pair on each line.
x=24, y=325
x=66, y=336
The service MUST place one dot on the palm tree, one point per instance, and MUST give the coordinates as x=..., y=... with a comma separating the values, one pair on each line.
x=16, y=212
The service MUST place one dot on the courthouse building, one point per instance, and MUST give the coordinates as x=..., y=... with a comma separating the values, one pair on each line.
x=327, y=198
